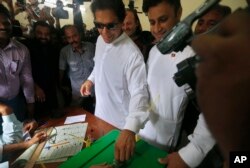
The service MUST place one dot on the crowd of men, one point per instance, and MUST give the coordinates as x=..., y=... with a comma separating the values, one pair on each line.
x=126, y=81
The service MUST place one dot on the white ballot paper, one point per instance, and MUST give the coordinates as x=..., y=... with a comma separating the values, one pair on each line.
x=75, y=119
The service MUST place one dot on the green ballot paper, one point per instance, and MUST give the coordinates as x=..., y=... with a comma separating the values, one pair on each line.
x=102, y=151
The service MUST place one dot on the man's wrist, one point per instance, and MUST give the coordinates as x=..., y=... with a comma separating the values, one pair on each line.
x=9, y=118
x=26, y=144
x=129, y=132
x=5, y=110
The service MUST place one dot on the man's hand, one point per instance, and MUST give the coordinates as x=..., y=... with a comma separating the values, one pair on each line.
x=38, y=137
x=223, y=80
x=39, y=94
x=125, y=145
x=173, y=160
x=30, y=126
x=86, y=88
x=5, y=110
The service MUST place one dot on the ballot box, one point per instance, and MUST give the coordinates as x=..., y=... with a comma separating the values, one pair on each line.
x=102, y=151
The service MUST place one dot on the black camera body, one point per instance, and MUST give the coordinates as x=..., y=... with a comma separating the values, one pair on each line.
x=186, y=72
x=59, y=12
x=21, y=2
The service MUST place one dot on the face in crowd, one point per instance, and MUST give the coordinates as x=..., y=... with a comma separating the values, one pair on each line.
x=162, y=18
x=42, y=33
x=207, y=21
x=73, y=37
x=108, y=25
x=130, y=23
x=5, y=30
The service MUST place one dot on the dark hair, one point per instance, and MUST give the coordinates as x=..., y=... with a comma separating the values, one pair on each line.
x=4, y=11
x=117, y=6
x=223, y=10
x=70, y=26
x=139, y=27
x=41, y=23
x=152, y=3
x=81, y=34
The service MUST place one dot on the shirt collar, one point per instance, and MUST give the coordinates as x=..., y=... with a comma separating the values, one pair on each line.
x=120, y=38
x=12, y=44
x=83, y=48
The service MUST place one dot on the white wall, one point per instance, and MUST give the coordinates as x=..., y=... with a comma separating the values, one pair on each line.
x=188, y=7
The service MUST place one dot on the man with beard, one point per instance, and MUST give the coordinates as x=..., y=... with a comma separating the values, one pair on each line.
x=44, y=61
x=77, y=59
x=15, y=70
x=132, y=27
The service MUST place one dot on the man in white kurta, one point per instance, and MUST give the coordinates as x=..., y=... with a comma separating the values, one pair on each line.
x=167, y=106
x=119, y=76
x=168, y=101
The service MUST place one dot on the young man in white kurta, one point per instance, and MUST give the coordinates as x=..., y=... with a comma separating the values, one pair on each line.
x=168, y=101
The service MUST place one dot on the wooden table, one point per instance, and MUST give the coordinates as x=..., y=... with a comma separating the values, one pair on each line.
x=96, y=128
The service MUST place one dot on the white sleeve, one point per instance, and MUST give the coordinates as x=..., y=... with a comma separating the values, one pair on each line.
x=12, y=131
x=92, y=76
x=201, y=142
x=137, y=85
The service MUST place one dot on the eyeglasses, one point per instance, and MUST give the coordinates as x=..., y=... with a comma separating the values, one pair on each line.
x=109, y=26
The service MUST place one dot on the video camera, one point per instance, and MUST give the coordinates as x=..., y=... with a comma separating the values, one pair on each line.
x=22, y=2
x=59, y=12
x=178, y=38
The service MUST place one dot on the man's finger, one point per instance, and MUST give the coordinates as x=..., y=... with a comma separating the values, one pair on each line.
x=28, y=128
x=128, y=153
x=163, y=160
x=117, y=153
x=87, y=91
x=129, y=150
x=82, y=90
x=122, y=154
